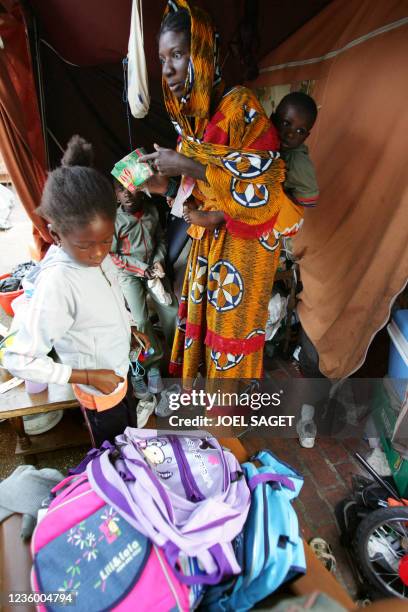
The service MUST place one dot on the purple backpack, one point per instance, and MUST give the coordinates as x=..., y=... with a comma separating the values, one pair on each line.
x=182, y=491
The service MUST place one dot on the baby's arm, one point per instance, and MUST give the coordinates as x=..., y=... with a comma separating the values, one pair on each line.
x=301, y=182
x=208, y=219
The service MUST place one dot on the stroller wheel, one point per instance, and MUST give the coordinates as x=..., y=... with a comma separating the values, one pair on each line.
x=381, y=547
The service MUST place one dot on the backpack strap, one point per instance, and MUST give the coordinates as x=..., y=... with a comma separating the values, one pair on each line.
x=269, y=477
x=109, y=483
x=92, y=454
x=267, y=458
x=63, y=483
x=275, y=465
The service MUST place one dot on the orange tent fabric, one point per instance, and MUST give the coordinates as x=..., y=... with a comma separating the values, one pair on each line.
x=21, y=138
x=353, y=247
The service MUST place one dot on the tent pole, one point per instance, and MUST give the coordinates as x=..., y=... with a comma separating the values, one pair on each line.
x=41, y=99
x=34, y=43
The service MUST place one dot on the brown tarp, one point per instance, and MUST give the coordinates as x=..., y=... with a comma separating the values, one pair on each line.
x=94, y=33
x=353, y=247
x=21, y=138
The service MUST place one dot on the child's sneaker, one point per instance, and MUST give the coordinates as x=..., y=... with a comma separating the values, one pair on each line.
x=163, y=407
x=140, y=387
x=144, y=409
x=306, y=427
x=154, y=381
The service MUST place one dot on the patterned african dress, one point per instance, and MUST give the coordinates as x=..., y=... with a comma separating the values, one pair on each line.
x=230, y=271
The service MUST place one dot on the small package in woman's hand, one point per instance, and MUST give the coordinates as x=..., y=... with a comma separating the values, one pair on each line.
x=130, y=172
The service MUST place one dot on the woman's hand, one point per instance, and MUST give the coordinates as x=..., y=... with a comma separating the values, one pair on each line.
x=166, y=161
x=156, y=184
x=106, y=381
x=170, y=163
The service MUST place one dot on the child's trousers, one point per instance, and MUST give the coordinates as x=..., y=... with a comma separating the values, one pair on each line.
x=135, y=290
x=107, y=424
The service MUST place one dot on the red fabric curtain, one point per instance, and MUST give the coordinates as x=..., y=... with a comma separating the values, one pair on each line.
x=21, y=139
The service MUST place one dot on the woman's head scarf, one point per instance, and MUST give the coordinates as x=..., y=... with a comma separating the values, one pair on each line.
x=248, y=169
x=204, y=85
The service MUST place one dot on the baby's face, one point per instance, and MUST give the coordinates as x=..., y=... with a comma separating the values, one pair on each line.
x=293, y=126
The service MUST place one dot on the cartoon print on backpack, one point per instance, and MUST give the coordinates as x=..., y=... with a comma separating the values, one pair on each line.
x=154, y=455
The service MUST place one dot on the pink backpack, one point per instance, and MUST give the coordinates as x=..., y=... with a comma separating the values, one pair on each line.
x=83, y=545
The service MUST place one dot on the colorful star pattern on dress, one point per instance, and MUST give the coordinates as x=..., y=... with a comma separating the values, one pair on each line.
x=200, y=279
x=225, y=286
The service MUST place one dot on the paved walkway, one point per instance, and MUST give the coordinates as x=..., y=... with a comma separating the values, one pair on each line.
x=14, y=242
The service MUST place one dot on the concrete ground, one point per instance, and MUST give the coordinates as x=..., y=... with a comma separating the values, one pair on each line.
x=14, y=242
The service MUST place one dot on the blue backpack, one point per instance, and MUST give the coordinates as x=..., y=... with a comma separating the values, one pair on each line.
x=269, y=549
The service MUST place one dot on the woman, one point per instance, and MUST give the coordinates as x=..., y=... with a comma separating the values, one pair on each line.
x=227, y=149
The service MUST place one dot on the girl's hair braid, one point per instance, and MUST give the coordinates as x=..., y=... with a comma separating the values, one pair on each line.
x=75, y=193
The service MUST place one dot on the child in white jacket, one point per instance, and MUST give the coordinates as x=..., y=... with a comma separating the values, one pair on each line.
x=77, y=307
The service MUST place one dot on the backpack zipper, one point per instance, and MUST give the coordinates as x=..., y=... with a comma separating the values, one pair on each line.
x=105, y=277
x=190, y=486
x=114, y=293
x=168, y=579
x=68, y=501
x=265, y=520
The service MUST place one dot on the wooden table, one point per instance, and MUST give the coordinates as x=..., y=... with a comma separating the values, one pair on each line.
x=16, y=403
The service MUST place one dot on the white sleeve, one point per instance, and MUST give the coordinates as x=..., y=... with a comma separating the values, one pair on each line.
x=48, y=316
